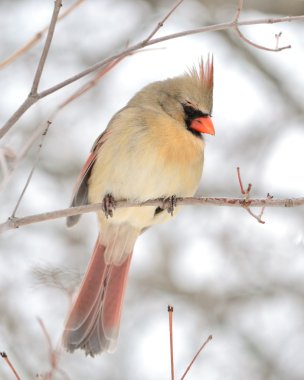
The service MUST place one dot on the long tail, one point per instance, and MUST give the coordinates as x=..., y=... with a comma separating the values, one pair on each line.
x=93, y=322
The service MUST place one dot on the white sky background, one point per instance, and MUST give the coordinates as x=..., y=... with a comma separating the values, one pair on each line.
x=244, y=104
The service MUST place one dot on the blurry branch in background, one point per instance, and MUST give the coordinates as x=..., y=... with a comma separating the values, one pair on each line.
x=34, y=96
x=33, y=168
x=11, y=158
x=164, y=203
x=33, y=41
x=5, y=357
x=53, y=357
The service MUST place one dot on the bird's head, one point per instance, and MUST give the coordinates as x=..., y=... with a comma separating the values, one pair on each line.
x=187, y=98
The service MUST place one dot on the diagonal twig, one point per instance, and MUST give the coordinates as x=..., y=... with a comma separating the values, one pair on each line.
x=9, y=363
x=161, y=23
x=196, y=355
x=32, y=170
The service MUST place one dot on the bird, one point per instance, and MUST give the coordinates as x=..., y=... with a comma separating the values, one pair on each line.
x=152, y=148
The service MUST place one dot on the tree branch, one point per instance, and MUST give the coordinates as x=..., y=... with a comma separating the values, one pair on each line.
x=249, y=42
x=33, y=97
x=13, y=223
x=144, y=43
x=46, y=48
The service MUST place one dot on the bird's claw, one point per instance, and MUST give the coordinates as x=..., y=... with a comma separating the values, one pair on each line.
x=170, y=204
x=108, y=205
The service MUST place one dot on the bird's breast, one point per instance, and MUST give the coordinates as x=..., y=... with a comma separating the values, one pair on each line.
x=156, y=159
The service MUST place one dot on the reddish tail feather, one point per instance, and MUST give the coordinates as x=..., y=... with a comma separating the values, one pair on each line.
x=93, y=322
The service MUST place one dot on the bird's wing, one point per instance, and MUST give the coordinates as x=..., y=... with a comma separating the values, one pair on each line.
x=80, y=192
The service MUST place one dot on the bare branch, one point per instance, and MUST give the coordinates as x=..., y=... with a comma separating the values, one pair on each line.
x=46, y=48
x=241, y=183
x=31, y=100
x=170, y=311
x=5, y=357
x=247, y=198
x=32, y=97
x=261, y=47
x=53, y=356
x=196, y=355
x=238, y=11
x=249, y=42
x=161, y=23
x=13, y=223
x=154, y=41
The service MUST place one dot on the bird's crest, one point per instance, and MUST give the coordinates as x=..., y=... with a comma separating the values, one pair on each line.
x=204, y=73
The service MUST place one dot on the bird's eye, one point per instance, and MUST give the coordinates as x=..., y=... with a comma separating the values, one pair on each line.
x=192, y=113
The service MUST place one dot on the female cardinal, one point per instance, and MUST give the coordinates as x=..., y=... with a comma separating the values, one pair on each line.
x=152, y=148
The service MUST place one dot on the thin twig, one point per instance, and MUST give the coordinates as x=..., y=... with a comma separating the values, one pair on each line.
x=277, y=37
x=238, y=11
x=30, y=101
x=11, y=158
x=32, y=170
x=247, y=198
x=261, y=47
x=240, y=181
x=196, y=355
x=13, y=223
x=46, y=48
x=5, y=357
x=257, y=217
x=161, y=23
x=249, y=42
x=49, y=342
x=53, y=355
x=170, y=311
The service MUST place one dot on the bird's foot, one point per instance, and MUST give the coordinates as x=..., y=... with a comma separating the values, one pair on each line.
x=169, y=204
x=108, y=205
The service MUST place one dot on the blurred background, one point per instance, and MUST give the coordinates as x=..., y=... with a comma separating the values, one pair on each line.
x=224, y=273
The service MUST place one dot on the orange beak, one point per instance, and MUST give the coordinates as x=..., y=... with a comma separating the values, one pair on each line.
x=203, y=125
